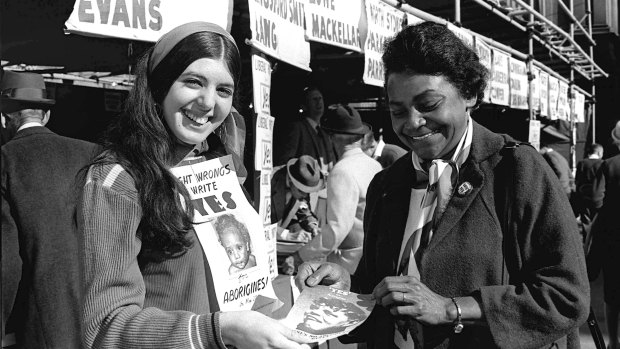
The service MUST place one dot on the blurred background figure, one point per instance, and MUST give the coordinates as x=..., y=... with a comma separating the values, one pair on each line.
x=560, y=167
x=588, y=197
x=385, y=154
x=41, y=287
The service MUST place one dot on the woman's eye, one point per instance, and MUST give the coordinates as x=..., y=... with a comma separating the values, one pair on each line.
x=428, y=107
x=397, y=113
x=193, y=82
x=225, y=92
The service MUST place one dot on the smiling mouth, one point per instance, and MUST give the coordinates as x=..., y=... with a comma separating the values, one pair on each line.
x=424, y=136
x=197, y=119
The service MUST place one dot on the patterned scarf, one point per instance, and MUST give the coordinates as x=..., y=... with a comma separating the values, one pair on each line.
x=442, y=177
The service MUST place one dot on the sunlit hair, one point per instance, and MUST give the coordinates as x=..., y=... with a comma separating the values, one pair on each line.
x=223, y=224
x=142, y=143
x=432, y=49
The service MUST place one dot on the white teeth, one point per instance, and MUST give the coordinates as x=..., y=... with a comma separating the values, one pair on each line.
x=197, y=119
x=418, y=138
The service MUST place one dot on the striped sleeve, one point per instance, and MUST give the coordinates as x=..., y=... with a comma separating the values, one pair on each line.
x=114, y=314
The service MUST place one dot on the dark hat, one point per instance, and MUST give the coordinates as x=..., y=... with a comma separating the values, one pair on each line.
x=342, y=118
x=305, y=173
x=23, y=90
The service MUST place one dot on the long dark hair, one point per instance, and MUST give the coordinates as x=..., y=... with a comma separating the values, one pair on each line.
x=432, y=49
x=142, y=143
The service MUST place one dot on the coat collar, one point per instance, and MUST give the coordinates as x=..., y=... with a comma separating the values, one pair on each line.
x=30, y=131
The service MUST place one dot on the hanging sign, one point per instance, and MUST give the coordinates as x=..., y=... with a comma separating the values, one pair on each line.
x=500, y=90
x=579, y=105
x=413, y=20
x=534, y=134
x=278, y=30
x=261, y=84
x=462, y=34
x=384, y=22
x=535, y=88
x=553, y=97
x=144, y=20
x=335, y=22
x=563, y=106
x=518, y=84
x=544, y=93
x=484, y=55
x=229, y=230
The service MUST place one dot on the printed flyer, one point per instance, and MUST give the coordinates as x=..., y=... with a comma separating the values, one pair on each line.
x=230, y=231
x=321, y=313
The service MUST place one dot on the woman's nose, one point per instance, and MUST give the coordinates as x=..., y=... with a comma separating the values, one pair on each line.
x=415, y=120
x=206, y=99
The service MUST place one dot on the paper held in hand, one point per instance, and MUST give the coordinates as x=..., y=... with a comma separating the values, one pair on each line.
x=321, y=313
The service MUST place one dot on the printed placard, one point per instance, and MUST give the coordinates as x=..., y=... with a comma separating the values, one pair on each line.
x=554, y=87
x=145, y=20
x=544, y=93
x=563, y=106
x=518, y=84
x=579, y=105
x=484, y=55
x=535, y=88
x=264, y=197
x=321, y=313
x=230, y=232
x=384, y=22
x=278, y=30
x=500, y=90
x=335, y=22
x=261, y=84
x=534, y=134
x=263, y=154
x=271, y=231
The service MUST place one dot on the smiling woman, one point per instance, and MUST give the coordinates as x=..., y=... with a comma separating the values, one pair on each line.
x=147, y=277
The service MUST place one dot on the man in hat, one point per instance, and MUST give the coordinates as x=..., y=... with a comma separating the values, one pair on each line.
x=41, y=288
x=342, y=237
x=291, y=187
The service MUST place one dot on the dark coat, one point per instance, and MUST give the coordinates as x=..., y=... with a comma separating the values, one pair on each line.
x=41, y=287
x=278, y=195
x=302, y=139
x=588, y=196
x=546, y=299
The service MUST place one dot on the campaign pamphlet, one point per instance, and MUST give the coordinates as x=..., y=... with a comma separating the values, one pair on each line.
x=321, y=313
x=230, y=232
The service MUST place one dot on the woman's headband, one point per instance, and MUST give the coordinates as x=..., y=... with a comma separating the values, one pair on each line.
x=167, y=41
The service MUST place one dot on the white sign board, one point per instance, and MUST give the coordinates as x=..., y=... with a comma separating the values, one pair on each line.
x=563, y=106
x=544, y=93
x=484, y=55
x=335, y=22
x=261, y=84
x=278, y=30
x=384, y=22
x=554, y=87
x=534, y=134
x=230, y=232
x=579, y=105
x=518, y=84
x=500, y=90
x=535, y=88
x=144, y=20
x=413, y=20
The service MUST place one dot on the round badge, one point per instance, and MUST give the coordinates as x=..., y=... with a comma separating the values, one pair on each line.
x=465, y=188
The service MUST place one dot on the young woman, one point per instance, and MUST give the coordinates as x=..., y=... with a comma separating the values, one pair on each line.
x=146, y=275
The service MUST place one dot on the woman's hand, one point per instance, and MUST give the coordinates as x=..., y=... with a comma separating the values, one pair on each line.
x=250, y=329
x=407, y=297
x=311, y=274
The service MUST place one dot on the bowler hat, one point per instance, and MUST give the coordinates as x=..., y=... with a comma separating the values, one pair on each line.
x=23, y=91
x=342, y=118
x=305, y=173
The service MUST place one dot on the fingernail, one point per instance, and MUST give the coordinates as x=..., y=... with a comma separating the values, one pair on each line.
x=312, y=281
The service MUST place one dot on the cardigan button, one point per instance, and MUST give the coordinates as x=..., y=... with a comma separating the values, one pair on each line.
x=464, y=189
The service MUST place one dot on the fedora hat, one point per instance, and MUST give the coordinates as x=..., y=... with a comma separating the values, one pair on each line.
x=342, y=118
x=22, y=91
x=305, y=173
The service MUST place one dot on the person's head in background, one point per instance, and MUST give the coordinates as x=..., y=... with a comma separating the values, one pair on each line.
x=23, y=100
x=183, y=91
x=433, y=81
x=304, y=176
x=594, y=151
x=345, y=127
x=313, y=103
x=235, y=238
x=369, y=143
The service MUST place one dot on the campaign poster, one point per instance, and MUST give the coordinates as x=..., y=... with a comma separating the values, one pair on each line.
x=500, y=90
x=563, y=106
x=484, y=55
x=544, y=93
x=554, y=87
x=271, y=239
x=462, y=34
x=278, y=30
x=518, y=84
x=335, y=22
x=230, y=232
x=145, y=20
x=321, y=313
x=534, y=134
x=413, y=20
x=384, y=22
x=579, y=107
x=261, y=85
x=535, y=88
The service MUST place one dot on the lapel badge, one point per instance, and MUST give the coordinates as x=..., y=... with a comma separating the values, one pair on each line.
x=464, y=189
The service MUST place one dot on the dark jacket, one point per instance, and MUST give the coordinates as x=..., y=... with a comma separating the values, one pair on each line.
x=606, y=225
x=544, y=300
x=41, y=287
x=588, y=196
x=300, y=138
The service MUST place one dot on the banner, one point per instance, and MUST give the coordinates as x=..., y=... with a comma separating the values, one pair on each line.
x=278, y=30
x=500, y=91
x=579, y=107
x=229, y=230
x=535, y=88
x=484, y=55
x=544, y=93
x=563, y=106
x=518, y=84
x=463, y=34
x=384, y=21
x=553, y=97
x=335, y=22
x=144, y=20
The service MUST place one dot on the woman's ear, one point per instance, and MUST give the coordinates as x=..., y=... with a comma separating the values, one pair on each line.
x=471, y=102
